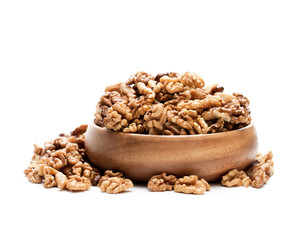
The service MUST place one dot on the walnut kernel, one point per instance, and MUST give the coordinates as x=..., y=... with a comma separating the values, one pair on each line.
x=235, y=178
x=161, y=182
x=191, y=184
x=115, y=185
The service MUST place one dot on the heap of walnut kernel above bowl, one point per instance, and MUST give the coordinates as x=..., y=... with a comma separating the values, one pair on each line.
x=165, y=104
x=170, y=104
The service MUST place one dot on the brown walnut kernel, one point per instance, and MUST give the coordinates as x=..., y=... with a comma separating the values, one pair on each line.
x=191, y=184
x=95, y=176
x=161, y=182
x=261, y=169
x=235, y=178
x=79, y=130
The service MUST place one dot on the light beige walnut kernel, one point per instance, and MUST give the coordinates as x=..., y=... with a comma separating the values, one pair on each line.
x=43, y=169
x=114, y=120
x=115, y=185
x=32, y=175
x=173, y=129
x=38, y=150
x=49, y=181
x=206, y=103
x=235, y=178
x=191, y=80
x=176, y=118
x=244, y=101
x=61, y=180
x=156, y=116
x=87, y=169
x=171, y=84
x=146, y=91
x=213, y=88
x=139, y=77
x=123, y=110
x=217, y=126
x=161, y=182
x=76, y=183
x=109, y=174
x=191, y=184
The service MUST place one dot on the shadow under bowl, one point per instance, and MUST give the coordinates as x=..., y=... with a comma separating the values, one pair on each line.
x=140, y=156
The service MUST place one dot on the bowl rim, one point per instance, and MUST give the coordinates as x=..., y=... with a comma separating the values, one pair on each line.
x=137, y=135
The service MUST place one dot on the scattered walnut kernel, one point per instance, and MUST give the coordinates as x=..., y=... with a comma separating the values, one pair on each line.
x=32, y=175
x=49, y=181
x=235, y=178
x=95, y=176
x=115, y=185
x=61, y=180
x=261, y=169
x=62, y=163
x=191, y=184
x=79, y=130
x=76, y=183
x=38, y=150
x=114, y=182
x=161, y=182
x=109, y=174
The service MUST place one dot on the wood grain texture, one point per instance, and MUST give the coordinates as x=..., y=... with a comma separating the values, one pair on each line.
x=141, y=156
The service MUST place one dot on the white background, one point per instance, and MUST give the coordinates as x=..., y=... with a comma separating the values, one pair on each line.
x=56, y=57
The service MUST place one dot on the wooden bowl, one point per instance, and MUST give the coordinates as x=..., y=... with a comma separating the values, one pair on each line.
x=140, y=156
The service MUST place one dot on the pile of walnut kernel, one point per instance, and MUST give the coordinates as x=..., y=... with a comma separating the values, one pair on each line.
x=170, y=104
x=63, y=163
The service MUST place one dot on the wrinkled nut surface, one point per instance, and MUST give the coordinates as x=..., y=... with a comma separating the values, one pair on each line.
x=61, y=180
x=161, y=182
x=109, y=174
x=62, y=162
x=49, y=181
x=170, y=104
x=32, y=175
x=261, y=169
x=191, y=184
x=114, y=185
x=76, y=183
x=235, y=178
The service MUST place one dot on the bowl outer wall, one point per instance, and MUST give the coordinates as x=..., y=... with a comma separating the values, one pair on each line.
x=141, y=156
